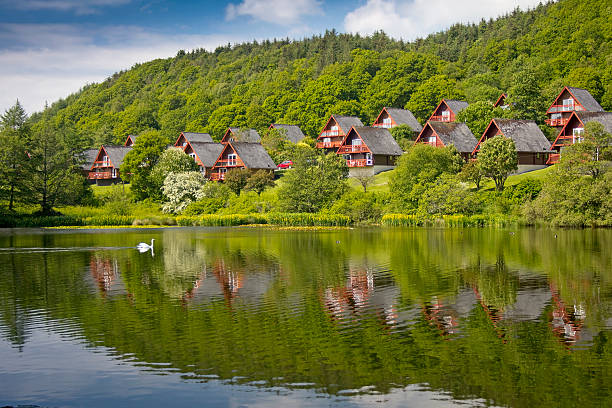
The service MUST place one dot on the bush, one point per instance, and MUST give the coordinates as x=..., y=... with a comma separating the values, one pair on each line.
x=361, y=207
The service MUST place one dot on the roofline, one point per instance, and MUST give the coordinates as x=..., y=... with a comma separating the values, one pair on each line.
x=326, y=123
x=422, y=130
x=384, y=109
x=503, y=95
x=484, y=133
x=347, y=135
x=564, y=126
x=566, y=88
x=436, y=109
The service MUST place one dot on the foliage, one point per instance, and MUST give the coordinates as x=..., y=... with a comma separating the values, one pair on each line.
x=277, y=144
x=591, y=156
x=404, y=136
x=315, y=181
x=236, y=179
x=447, y=196
x=173, y=160
x=429, y=94
x=364, y=176
x=478, y=115
x=471, y=172
x=140, y=161
x=421, y=165
x=14, y=137
x=259, y=181
x=214, y=197
x=361, y=207
x=498, y=158
x=181, y=189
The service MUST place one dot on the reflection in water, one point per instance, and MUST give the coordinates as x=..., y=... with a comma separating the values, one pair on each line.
x=478, y=315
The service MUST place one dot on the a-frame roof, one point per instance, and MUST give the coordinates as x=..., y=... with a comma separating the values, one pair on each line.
x=501, y=101
x=130, y=140
x=605, y=118
x=294, y=133
x=402, y=117
x=208, y=153
x=115, y=154
x=88, y=156
x=457, y=134
x=196, y=137
x=527, y=136
x=455, y=105
x=378, y=140
x=582, y=96
x=345, y=123
x=253, y=155
x=241, y=135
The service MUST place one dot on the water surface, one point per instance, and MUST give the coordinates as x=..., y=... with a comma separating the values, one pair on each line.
x=256, y=317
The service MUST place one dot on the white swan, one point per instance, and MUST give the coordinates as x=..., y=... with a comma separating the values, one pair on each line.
x=143, y=247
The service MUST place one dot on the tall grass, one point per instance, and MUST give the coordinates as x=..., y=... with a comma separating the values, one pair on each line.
x=308, y=219
x=478, y=220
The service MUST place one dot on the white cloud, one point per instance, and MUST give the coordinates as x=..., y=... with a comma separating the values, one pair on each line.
x=57, y=60
x=282, y=12
x=409, y=19
x=77, y=6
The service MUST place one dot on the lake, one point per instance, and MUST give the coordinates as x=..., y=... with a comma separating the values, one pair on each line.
x=254, y=317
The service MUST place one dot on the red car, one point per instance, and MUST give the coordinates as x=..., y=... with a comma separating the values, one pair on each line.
x=287, y=164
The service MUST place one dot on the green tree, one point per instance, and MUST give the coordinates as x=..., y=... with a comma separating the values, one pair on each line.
x=236, y=179
x=498, y=158
x=140, y=161
x=429, y=93
x=591, y=156
x=315, y=181
x=259, y=181
x=404, y=136
x=277, y=144
x=471, y=172
x=14, y=136
x=478, y=115
x=525, y=97
x=173, y=160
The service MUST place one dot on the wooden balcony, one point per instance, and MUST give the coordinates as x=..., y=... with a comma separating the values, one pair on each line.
x=97, y=175
x=217, y=176
x=353, y=149
x=564, y=108
x=329, y=145
x=556, y=122
x=441, y=118
x=229, y=163
x=331, y=133
x=383, y=125
x=553, y=158
x=358, y=163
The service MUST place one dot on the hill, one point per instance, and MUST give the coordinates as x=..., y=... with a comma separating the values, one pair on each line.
x=253, y=84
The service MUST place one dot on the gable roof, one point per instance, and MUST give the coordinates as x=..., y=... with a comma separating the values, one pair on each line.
x=404, y=117
x=347, y=122
x=378, y=140
x=526, y=134
x=605, y=118
x=294, y=133
x=116, y=154
x=197, y=137
x=253, y=155
x=243, y=135
x=133, y=137
x=457, y=134
x=208, y=153
x=585, y=98
x=455, y=105
x=501, y=100
x=88, y=156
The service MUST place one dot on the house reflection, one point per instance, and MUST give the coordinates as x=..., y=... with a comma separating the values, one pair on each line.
x=342, y=301
x=104, y=270
x=566, y=321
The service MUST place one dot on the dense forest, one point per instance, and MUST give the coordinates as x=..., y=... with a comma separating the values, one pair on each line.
x=528, y=54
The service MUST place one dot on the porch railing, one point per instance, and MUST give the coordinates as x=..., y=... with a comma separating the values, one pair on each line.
x=553, y=158
x=353, y=149
x=96, y=175
x=565, y=108
x=556, y=122
x=329, y=145
x=358, y=163
x=440, y=118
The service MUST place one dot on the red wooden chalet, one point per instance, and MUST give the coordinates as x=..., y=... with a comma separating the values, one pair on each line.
x=573, y=130
x=441, y=134
x=130, y=140
x=293, y=132
x=501, y=101
x=241, y=155
x=570, y=100
x=105, y=168
x=366, y=146
x=205, y=154
x=185, y=137
x=532, y=146
x=234, y=134
x=447, y=110
x=391, y=117
x=335, y=130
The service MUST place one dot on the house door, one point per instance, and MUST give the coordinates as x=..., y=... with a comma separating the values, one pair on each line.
x=369, y=161
x=114, y=173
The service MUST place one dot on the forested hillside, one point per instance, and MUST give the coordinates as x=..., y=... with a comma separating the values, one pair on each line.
x=528, y=54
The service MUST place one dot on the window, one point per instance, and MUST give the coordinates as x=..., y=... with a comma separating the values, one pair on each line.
x=114, y=173
x=334, y=130
x=386, y=123
x=577, y=134
x=555, y=116
x=192, y=155
x=369, y=160
x=326, y=140
x=184, y=144
x=445, y=115
x=568, y=104
x=231, y=159
x=356, y=142
x=431, y=139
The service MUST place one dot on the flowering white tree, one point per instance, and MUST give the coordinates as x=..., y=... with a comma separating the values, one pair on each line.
x=181, y=189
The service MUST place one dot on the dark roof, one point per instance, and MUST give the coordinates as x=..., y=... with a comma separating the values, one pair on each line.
x=455, y=105
x=456, y=134
x=526, y=134
x=253, y=155
x=133, y=137
x=245, y=135
x=605, y=118
x=347, y=122
x=586, y=99
x=198, y=137
x=379, y=140
x=294, y=133
x=88, y=156
x=116, y=154
x=404, y=117
x=208, y=153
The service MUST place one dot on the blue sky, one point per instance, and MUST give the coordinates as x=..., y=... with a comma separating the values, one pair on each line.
x=51, y=48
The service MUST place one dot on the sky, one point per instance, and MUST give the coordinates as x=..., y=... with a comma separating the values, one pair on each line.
x=52, y=48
